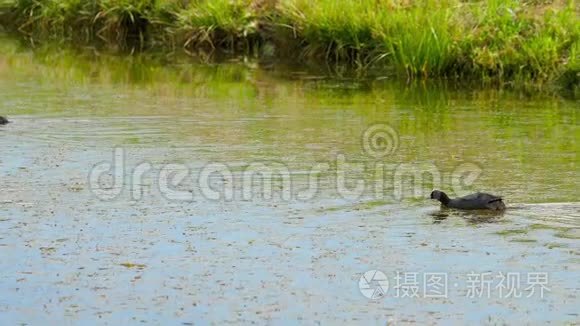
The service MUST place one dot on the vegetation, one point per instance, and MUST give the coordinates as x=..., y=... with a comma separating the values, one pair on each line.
x=508, y=42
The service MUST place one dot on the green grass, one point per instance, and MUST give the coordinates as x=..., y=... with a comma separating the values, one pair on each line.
x=218, y=23
x=504, y=42
x=416, y=40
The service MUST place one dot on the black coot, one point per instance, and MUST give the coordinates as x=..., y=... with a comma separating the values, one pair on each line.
x=478, y=200
x=3, y=120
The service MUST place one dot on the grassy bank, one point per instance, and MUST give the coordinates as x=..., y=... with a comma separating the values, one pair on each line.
x=506, y=42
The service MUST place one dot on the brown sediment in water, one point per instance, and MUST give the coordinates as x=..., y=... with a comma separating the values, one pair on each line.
x=72, y=112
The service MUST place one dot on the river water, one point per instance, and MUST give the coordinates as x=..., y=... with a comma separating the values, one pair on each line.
x=153, y=189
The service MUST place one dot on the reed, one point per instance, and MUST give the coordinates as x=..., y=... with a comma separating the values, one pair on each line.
x=506, y=42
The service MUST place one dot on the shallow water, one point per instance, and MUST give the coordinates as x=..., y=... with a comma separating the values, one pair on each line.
x=162, y=252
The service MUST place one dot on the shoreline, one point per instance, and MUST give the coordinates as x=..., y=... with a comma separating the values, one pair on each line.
x=511, y=44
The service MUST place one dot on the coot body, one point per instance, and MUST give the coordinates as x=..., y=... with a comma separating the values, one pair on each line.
x=3, y=120
x=479, y=200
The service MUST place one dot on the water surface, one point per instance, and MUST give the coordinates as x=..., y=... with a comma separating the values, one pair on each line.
x=70, y=256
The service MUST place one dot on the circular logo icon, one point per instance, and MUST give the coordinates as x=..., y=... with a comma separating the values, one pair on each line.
x=380, y=140
x=373, y=284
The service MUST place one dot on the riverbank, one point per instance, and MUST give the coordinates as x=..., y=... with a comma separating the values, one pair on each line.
x=517, y=43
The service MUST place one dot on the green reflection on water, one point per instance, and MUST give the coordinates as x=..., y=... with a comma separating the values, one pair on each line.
x=239, y=111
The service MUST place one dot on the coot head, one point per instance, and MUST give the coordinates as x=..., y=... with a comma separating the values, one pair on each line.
x=436, y=194
x=440, y=196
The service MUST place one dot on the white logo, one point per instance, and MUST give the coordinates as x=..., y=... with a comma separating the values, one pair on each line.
x=373, y=284
x=380, y=140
